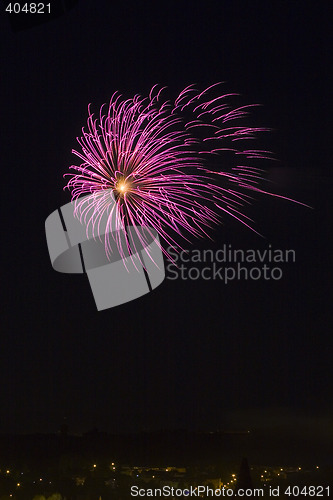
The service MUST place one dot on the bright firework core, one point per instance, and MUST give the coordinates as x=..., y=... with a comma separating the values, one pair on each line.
x=122, y=186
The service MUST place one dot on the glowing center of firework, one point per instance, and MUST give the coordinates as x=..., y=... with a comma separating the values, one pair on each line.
x=122, y=187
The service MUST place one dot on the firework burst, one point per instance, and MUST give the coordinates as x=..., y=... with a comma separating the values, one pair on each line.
x=147, y=163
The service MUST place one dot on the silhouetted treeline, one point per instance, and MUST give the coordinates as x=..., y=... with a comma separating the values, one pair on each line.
x=158, y=448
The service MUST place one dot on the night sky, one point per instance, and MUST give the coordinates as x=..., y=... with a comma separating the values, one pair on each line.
x=192, y=354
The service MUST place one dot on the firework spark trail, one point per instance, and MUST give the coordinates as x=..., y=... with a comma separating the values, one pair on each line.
x=143, y=153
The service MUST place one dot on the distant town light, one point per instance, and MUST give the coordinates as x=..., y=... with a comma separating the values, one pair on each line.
x=317, y=467
x=94, y=466
x=299, y=468
x=18, y=484
x=112, y=463
x=7, y=471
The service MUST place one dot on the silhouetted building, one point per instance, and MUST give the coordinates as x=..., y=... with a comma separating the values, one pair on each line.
x=244, y=480
x=64, y=428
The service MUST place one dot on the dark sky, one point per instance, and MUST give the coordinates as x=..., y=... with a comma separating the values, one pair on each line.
x=197, y=355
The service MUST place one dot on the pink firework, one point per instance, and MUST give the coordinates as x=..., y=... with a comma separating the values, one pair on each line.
x=147, y=162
